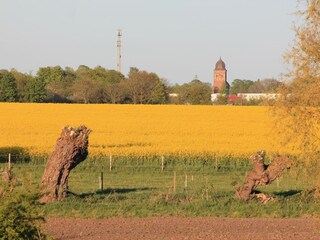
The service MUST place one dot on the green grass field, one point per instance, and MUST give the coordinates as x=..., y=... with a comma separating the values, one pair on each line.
x=138, y=188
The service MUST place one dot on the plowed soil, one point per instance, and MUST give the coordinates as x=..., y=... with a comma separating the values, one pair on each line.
x=183, y=228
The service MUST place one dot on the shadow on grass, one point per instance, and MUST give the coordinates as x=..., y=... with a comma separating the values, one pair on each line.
x=287, y=193
x=112, y=191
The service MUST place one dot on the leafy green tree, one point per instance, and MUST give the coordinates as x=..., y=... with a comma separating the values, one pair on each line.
x=35, y=90
x=88, y=86
x=87, y=90
x=223, y=90
x=58, y=82
x=8, y=91
x=145, y=88
x=132, y=71
x=268, y=85
x=240, y=86
x=195, y=92
x=60, y=89
x=107, y=76
x=49, y=74
x=21, y=80
x=159, y=93
x=222, y=97
x=110, y=81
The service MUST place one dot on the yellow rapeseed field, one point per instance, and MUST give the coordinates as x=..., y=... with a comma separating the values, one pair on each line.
x=140, y=129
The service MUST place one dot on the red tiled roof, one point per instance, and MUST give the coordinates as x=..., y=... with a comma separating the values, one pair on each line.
x=233, y=98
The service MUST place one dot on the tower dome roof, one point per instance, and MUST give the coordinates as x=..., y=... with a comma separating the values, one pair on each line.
x=220, y=65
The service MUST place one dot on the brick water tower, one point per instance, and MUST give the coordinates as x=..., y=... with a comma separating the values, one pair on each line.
x=220, y=77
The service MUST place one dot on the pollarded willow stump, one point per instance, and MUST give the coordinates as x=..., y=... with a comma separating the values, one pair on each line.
x=262, y=174
x=70, y=150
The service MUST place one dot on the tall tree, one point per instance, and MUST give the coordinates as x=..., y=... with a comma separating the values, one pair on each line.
x=35, y=90
x=86, y=90
x=88, y=86
x=106, y=76
x=49, y=74
x=115, y=92
x=54, y=79
x=110, y=82
x=298, y=109
x=240, y=86
x=195, y=92
x=8, y=91
x=222, y=97
x=20, y=80
x=159, y=94
x=144, y=87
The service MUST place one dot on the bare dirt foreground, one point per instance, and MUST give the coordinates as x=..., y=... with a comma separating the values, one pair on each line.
x=183, y=228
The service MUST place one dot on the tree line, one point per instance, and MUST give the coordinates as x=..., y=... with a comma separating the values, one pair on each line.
x=84, y=85
x=268, y=85
x=100, y=85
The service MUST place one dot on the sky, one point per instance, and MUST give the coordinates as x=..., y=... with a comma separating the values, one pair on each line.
x=177, y=39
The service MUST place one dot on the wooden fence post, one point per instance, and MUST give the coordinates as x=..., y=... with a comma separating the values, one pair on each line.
x=174, y=182
x=9, y=162
x=216, y=164
x=162, y=163
x=207, y=189
x=101, y=182
x=110, y=162
x=186, y=181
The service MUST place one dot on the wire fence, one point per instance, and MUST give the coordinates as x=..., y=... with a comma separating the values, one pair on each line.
x=123, y=174
x=136, y=164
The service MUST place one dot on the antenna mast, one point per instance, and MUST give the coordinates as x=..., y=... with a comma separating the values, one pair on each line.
x=119, y=50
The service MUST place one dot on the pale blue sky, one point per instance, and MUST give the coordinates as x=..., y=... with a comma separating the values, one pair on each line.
x=177, y=39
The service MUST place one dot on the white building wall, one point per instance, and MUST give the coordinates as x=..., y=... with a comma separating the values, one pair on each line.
x=214, y=97
x=257, y=96
x=249, y=96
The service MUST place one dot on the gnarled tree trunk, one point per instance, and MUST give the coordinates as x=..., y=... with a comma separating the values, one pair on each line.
x=262, y=174
x=70, y=150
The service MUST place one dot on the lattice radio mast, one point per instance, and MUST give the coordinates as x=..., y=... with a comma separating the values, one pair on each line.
x=119, y=50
